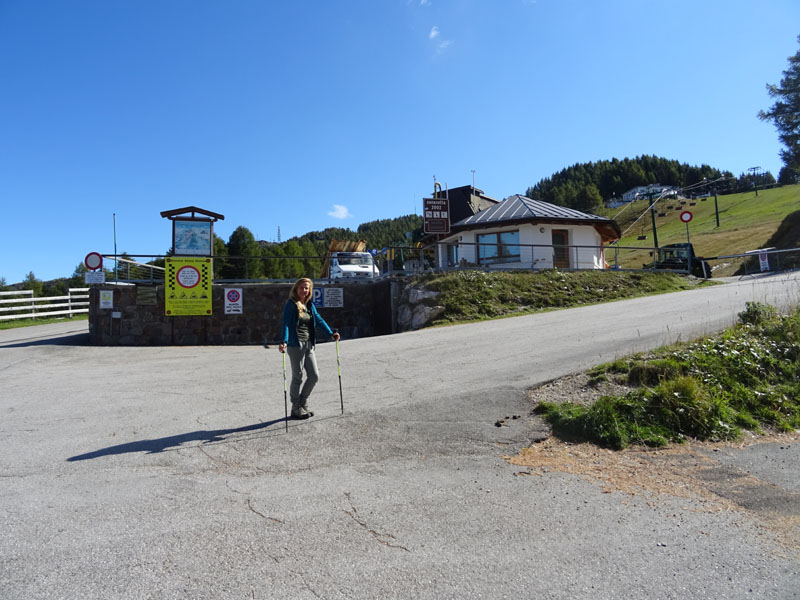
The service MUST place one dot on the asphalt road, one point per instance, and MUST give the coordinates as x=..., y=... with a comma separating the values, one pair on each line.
x=167, y=472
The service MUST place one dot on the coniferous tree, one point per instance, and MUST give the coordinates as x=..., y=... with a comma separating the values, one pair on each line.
x=293, y=264
x=31, y=283
x=220, y=252
x=615, y=177
x=785, y=113
x=788, y=176
x=588, y=198
x=274, y=267
x=56, y=287
x=77, y=278
x=311, y=266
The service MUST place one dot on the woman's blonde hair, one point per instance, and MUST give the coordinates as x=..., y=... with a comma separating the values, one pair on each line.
x=295, y=295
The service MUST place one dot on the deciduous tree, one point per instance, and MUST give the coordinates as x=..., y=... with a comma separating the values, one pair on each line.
x=243, y=243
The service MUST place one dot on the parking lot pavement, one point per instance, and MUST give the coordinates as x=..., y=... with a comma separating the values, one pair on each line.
x=167, y=473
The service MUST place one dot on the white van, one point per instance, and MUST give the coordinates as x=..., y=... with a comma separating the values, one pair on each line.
x=353, y=265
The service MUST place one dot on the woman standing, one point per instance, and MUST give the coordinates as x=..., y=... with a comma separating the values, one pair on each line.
x=298, y=337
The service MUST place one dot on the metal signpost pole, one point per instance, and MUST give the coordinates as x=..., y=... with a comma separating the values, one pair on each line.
x=686, y=216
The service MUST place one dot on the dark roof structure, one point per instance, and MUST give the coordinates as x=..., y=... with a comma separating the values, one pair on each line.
x=520, y=209
x=177, y=212
x=465, y=201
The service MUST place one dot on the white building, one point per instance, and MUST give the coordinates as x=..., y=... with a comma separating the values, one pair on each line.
x=522, y=233
x=653, y=190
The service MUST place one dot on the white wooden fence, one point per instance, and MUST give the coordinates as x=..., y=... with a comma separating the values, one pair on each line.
x=24, y=306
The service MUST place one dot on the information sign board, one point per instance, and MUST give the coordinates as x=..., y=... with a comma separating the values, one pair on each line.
x=94, y=277
x=328, y=297
x=192, y=237
x=436, y=215
x=106, y=298
x=188, y=286
x=233, y=301
x=763, y=261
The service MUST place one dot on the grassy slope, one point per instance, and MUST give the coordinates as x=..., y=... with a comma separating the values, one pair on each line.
x=747, y=222
x=476, y=295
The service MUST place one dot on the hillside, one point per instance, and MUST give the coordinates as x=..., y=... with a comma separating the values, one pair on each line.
x=746, y=222
x=584, y=186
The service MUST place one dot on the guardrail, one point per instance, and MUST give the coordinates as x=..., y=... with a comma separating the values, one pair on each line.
x=132, y=271
x=762, y=260
x=28, y=307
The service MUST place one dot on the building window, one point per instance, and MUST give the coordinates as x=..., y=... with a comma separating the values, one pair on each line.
x=452, y=255
x=500, y=247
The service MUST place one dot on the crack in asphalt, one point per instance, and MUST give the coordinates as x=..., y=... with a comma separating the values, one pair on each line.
x=353, y=514
x=263, y=516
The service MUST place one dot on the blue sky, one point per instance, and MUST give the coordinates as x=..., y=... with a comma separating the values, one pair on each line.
x=312, y=114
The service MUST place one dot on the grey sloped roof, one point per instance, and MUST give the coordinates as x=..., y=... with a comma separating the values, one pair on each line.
x=520, y=208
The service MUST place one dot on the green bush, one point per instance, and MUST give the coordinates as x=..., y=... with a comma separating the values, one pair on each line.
x=756, y=313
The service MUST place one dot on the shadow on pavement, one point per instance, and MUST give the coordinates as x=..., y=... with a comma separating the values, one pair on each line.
x=75, y=339
x=165, y=443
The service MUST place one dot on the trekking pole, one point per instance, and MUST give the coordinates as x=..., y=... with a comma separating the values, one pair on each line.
x=339, y=368
x=285, y=402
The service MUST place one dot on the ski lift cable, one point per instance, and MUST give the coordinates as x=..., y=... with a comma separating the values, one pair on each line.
x=662, y=195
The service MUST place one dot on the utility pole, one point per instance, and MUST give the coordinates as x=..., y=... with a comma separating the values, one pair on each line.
x=754, y=173
x=653, y=218
x=116, y=262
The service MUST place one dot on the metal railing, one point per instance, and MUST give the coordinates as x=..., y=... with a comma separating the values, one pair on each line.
x=519, y=256
x=131, y=271
x=28, y=307
x=440, y=256
x=753, y=262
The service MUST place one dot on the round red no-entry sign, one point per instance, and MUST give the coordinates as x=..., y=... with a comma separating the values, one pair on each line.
x=686, y=216
x=187, y=276
x=93, y=261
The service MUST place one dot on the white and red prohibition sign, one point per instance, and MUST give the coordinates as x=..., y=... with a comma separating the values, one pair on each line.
x=686, y=216
x=93, y=261
x=187, y=276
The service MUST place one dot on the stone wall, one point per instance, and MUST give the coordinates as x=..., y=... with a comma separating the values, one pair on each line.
x=137, y=317
x=415, y=307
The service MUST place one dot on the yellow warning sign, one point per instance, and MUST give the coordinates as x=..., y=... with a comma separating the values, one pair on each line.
x=188, y=286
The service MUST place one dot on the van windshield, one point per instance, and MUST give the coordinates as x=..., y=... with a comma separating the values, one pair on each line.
x=354, y=259
x=674, y=254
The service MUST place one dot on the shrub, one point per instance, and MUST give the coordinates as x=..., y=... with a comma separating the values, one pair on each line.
x=756, y=313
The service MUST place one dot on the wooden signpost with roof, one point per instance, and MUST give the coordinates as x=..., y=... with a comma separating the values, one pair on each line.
x=189, y=273
x=192, y=235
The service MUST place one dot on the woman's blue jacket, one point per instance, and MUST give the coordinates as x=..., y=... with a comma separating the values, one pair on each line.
x=289, y=329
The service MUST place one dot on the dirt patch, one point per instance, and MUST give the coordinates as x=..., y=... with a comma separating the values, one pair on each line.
x=578, y=388
x=682, y=470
